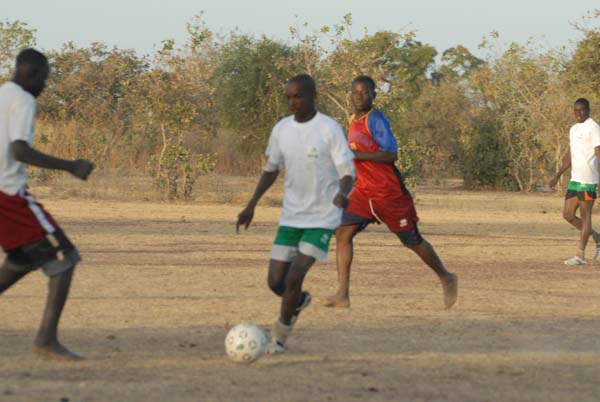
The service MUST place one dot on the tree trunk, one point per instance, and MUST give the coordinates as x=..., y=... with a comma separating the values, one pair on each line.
x=163, y=131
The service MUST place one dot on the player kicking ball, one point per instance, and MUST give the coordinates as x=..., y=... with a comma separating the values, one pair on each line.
x=28, y=234
x=379, y=195
x=319, y=175
x=582, y=157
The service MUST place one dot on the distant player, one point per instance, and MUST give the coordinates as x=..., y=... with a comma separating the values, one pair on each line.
x=582, y=157
x=379, y=195
x=28, y=234
x=319, y=175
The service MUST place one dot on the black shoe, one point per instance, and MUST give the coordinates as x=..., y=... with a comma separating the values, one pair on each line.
x=305, y=299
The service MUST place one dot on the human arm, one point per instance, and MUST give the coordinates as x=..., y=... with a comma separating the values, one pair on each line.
x=341, y=198
x=565, y=165
x=264, y=183
x=24, y=153
x=382, y=134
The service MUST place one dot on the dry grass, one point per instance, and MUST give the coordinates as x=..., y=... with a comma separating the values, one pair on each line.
x=161, y=284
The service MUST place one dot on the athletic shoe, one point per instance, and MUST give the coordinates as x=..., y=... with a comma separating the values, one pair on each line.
x=275, y=348
x=279, y=335
x=305, y=299
x=597, y=251
x=575, y=261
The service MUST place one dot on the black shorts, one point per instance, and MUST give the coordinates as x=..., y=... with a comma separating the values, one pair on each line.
x=409, y=238
x=55, y=254
x=581, y=195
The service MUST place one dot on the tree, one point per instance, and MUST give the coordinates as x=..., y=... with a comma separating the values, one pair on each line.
x=170, y=99
x=250, y=79
x=14, y=37
x=88, y=96
x=457, y=63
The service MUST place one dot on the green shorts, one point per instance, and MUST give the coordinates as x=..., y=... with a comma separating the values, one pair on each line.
x=584, y=192
x=313, y=242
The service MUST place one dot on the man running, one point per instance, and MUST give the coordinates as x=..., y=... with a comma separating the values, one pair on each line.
x=582, y=157
x=28, y=234
x=319, y=175
x=379, y=195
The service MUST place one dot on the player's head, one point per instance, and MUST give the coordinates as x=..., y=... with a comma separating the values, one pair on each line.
x=301, y=92
x=363, y=93
x=581, y=110
x=31, y=71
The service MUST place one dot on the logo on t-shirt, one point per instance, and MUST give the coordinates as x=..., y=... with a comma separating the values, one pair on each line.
x=403, y=223
x=312, y=152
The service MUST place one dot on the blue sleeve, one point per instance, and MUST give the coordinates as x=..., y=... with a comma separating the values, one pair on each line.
x=379, y=126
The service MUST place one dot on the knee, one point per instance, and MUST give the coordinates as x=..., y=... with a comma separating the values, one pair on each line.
x=568, y=216
x=277, y=285
x=411, y=238
x=343, y=237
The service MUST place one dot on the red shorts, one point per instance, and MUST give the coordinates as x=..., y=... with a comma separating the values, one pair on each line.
x=22, y=220
x=398, y=213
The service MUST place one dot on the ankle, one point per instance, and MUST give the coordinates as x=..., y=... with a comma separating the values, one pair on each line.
x=342, y=295
x=45, y=340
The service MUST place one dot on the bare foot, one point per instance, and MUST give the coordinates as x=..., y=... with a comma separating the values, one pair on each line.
x=56, y=351
x=334, y=301
x=450, y=286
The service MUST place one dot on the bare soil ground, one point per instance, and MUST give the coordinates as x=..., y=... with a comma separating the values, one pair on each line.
x=161, y=284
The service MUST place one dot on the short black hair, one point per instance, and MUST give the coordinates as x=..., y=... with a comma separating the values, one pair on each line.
x=584, y=102
x=30, y=63
x=365, y=79
x=305, y=81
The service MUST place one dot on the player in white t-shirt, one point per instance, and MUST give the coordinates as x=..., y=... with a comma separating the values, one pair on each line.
x=319, y=175
x=582, y=157
x=29, y=235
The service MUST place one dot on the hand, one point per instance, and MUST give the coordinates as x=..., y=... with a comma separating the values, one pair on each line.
x=81, y=169
x=341, y=201
x=552, y=182
x=244, y=218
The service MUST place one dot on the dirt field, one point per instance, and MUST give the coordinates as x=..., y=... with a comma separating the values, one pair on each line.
x=161, y=284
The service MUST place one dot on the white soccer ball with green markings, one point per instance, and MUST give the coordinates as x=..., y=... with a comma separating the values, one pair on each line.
x=245, y=343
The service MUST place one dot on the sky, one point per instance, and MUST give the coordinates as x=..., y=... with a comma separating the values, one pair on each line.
x=143, y=24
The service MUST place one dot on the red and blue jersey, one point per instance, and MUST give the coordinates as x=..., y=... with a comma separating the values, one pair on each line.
x=372, y=133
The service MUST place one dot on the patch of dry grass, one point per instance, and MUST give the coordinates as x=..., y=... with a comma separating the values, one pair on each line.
x=161, y=284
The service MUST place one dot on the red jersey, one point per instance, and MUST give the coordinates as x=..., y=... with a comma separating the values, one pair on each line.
x=375, y=180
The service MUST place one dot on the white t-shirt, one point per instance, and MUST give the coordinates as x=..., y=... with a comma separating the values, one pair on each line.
x=312, y=154
x=583, y=138
x=17, y=112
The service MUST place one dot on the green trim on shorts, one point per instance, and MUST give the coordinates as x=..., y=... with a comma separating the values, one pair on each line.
x=291, y=237
x=580, y=188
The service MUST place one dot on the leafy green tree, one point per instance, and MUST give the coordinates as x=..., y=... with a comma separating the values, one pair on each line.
x=457, y=63
x=249, y=81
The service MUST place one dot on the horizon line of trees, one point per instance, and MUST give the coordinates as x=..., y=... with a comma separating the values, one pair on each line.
x=209, y=104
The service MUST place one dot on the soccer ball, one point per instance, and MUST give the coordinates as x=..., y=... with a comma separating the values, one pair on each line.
x=245, y=343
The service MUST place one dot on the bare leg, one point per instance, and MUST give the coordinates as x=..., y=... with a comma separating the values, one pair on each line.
x=293, y=286
x=585, y=208
x=449, y=280
x=278, y=271
x=46, y=342
x=344, y=252
x=9, y=278
x=570, y=208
